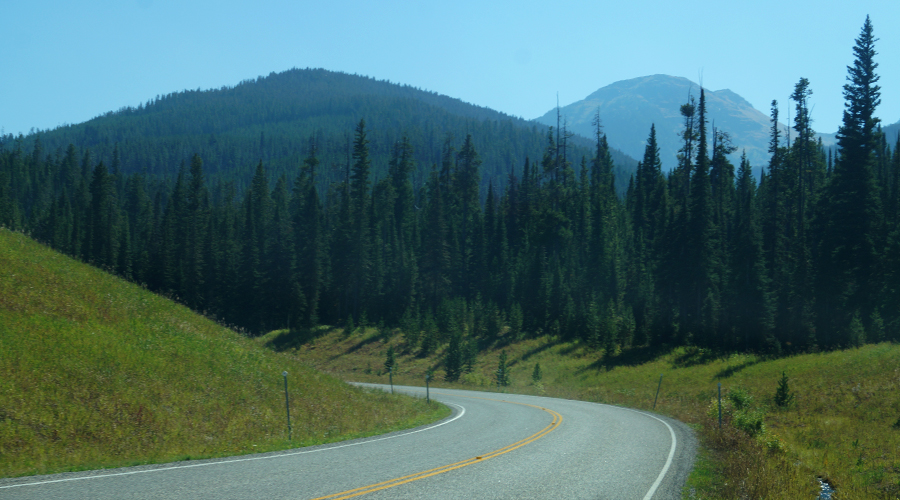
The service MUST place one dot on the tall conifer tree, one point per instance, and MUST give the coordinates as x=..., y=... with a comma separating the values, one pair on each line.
x=849, y=278
x=360, y=243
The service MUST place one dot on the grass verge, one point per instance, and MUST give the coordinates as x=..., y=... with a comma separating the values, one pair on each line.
x=96, y=372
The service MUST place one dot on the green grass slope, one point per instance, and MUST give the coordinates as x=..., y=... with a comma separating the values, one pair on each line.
x=97, y=372
x=843, y=423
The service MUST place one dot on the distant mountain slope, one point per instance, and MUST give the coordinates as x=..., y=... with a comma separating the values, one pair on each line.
x=629, y=107
x=272, y=118
x=891, y=132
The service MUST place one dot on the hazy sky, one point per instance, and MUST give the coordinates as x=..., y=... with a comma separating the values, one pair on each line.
x=67, y=62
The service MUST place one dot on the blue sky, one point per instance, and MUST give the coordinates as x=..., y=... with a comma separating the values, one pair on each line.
x=67, y=62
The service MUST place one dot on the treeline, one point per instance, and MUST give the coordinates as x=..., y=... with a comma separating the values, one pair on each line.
x=807, y=258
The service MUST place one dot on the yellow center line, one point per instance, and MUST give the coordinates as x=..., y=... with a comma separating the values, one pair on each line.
x=557, y=419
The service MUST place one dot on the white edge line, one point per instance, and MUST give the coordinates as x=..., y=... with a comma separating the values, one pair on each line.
x=462, y=411
x=665, y=468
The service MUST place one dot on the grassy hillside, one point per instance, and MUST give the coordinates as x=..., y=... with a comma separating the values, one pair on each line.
x=843, y=423
x=96, y=372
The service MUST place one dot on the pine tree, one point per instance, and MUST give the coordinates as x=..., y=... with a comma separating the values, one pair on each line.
x=751, y=303
x=700, y=306
x=465, y=185
x=253, y=278
x=674, y=275
x=722, y=213
x=397, y=219
x=196, y=226
x=453, y=358
x=435, y=253
x=104, y=219
x=606, y=260
x=284, y=294
x=390, y=359
x=892, y=210
x=891, y=315
x=783, y=396
x=648, y=219
x=81, y=219
x=774, y=195
x=360, y=258
x=308, y=236
x=849, y=283
x=139, y=210
x=8, y=204
x=226, y=255
x=502, y=374
x=804, y=175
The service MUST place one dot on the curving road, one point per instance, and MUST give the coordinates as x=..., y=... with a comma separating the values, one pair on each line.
x=493, y=446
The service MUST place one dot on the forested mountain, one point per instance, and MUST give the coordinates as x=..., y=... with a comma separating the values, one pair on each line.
x=629, y=107
x=474, y=245
x=891, y=133
x=271, y=119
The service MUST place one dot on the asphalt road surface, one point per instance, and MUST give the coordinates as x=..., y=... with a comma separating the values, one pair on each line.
x=493, y=446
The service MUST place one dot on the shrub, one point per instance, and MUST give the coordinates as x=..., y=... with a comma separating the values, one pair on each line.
x=739, y=410
x=741, y=399
x=475, y=378
x=775, y=445
x=749, y=421
x=712, y=411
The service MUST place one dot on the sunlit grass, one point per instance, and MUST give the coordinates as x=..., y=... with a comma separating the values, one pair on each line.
x=96, y=372
x=840, y=426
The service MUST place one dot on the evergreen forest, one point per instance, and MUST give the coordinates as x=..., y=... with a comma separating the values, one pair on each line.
x=464, y=227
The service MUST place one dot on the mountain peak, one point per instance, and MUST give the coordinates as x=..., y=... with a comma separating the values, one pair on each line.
x=628, y=108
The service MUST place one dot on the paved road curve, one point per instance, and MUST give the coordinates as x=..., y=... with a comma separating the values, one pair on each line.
x=493, y=446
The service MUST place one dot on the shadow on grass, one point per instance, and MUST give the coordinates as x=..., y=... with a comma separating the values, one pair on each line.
x=731, y=370
x=291, y=339
x=571, y=348
x=379, y=336
x=536, y=350
x=693, y=356
x=633, y=356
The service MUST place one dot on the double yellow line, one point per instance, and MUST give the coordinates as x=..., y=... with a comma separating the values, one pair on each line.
x=557, y=419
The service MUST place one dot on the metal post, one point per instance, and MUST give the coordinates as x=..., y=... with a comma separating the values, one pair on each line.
x=391, y=377
x=657, y=391
x=720, y=405
x=427, y=378
x=287, y=407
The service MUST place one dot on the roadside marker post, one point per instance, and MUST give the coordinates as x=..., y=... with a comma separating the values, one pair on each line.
x=657, y=391
x=427, y=378
x=287, y=407
x=720, y=405
x=391, y=378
